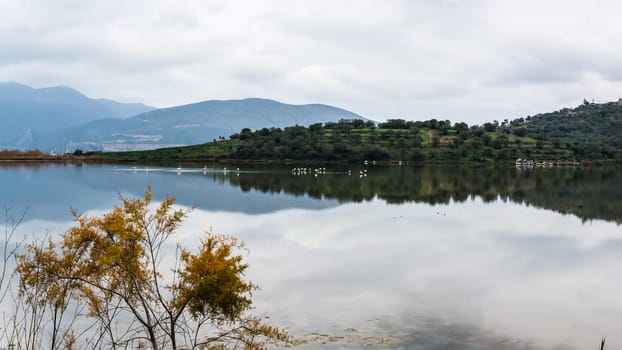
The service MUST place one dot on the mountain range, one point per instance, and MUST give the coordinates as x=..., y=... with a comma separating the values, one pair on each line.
x=61, y=119
x=26, y=112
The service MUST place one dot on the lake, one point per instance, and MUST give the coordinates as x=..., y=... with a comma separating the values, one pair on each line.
x=388, y=257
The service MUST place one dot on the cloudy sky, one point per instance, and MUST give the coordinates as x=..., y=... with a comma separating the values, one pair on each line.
x=469, y=60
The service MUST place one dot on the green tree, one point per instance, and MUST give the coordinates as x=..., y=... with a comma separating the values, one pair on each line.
x=520, y=132
x=417, y=155
x=500, y=142
x=491, y=127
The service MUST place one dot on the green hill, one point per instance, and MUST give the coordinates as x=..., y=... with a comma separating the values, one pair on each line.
x=588, y=133
x=591, y=130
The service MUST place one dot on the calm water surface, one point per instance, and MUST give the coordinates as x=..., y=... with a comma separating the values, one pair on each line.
x=402, y=258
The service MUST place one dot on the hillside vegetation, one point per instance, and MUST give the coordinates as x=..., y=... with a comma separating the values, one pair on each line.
x=590, y=132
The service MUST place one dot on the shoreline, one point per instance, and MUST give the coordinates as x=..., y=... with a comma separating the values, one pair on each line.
x=94, y=159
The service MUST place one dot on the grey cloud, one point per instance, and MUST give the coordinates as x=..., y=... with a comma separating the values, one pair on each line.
x=469, y=60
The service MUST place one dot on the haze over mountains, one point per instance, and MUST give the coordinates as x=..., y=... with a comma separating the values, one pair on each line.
x=61, y=119
x=27, y=113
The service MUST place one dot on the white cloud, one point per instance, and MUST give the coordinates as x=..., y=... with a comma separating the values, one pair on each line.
x=471, y=60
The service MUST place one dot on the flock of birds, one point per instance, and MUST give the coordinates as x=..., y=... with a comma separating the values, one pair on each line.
x=179, y=170
x=305, y=171
x=320, y=171
x=224, y=170
x=294, y=171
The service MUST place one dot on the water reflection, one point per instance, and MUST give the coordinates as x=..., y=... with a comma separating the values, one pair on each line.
x=588, y=193
x=474, y=278
x=471, y=258
x=49, y=191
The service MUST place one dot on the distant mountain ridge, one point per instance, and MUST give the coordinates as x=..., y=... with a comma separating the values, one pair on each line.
x=61, y=119
x=26, y=112
x=188, y=124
